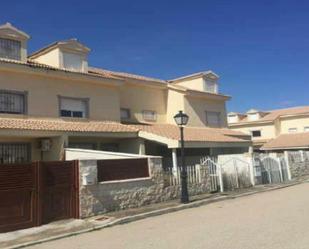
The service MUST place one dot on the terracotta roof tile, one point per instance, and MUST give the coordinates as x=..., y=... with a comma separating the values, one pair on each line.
x=32, y=63
x=197, y=134
x=124, y=75
x=63, y=125
x=288, y=141
x=274, y=114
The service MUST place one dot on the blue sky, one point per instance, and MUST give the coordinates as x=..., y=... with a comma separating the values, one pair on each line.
x=259, y=48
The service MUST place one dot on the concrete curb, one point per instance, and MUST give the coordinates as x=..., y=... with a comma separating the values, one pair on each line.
x=158, y=212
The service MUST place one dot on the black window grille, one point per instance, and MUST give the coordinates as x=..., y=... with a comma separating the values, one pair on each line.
x=12, y=102
x=14, y=153
x=10, y=49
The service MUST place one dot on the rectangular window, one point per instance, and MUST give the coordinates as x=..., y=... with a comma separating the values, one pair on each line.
x=110, y=147
x=12, y=102
x=85, y=146
x=292, y=130
x=10, y=49
x=256, y=133
x=213, y=119
x=149, y=115
x=14, y=153
x=72, y=61
x=211, y=86
x=73, y=107
x=306, y=128
x=125, y=113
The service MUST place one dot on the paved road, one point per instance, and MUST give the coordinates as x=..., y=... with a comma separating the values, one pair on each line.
x=276, y=219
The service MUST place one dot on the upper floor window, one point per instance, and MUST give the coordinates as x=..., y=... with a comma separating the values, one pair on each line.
x=149, y=115
x=306, y=128
x=125, y=113
x=12, y=102
x=72, y=61
x=213, y=119
x=73, y=107
x=291, y=130
x=256, y=133
x=211, y=86
x=10, y=49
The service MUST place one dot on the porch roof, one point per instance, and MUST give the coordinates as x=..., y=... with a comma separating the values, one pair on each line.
x=288, y=141
x=169, y=134
x=66, y=125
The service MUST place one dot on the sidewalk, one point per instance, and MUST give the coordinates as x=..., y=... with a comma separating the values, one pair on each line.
x=65, y=228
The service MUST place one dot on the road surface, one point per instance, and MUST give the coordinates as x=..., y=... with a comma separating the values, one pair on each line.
x=274, y=220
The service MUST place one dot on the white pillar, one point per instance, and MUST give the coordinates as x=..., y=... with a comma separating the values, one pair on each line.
x=286, y=157
x=174, y=158
x=220, y=177
x=280, y=170
x=251, y=169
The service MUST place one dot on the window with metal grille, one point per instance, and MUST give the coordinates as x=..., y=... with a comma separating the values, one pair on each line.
x=14, y=153
x=149, y=115
x=213, y=119
x=10, y=49
x=12, y=102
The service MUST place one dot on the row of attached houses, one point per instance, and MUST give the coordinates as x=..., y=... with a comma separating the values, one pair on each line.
x=52, y=99
x=276, y=130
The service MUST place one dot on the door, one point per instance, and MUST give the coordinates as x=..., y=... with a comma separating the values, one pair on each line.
x=58, y=190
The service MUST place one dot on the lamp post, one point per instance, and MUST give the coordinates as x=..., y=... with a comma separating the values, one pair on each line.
x=181, y=120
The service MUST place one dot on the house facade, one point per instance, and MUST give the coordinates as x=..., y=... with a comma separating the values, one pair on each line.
x=53, y=99
x=282, y=129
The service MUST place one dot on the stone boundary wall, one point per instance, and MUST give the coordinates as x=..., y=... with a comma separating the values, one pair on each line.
x=299, y=169
x=100, y=198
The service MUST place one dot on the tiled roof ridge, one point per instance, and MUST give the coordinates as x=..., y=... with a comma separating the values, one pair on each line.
x=125, y=74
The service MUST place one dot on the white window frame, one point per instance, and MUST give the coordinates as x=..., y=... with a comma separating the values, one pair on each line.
x=10, y=44
x=147, y=115
x=85, y=100
x=292, y=130
x=69, y=60
x=218, y=124
x=306, y=129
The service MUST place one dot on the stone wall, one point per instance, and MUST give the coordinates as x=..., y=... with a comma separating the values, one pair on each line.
x=104, y=197
x=299, y=169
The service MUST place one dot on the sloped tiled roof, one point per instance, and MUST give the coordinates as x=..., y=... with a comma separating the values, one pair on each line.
x=34, y=64
x=274, y=114
x=45, y=124
x=194, y=134
x=288, y=141
x=124, y=75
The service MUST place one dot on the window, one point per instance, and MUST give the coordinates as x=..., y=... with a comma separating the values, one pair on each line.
x=10, y=49
x=125, y=113
x=211, y=86
x=306, y=128
x=72, y=61
x=14, y=153
x=73, y=107
x=110, y=147
x=12, y=102
x=292, y=130
x=256, y=133
x=149, y=115
x=213, y=119
x=85, y=146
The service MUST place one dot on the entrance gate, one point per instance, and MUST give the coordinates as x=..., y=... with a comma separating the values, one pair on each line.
x=37, y=193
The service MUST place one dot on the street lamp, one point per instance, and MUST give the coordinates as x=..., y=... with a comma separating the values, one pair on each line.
x=181, y=120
